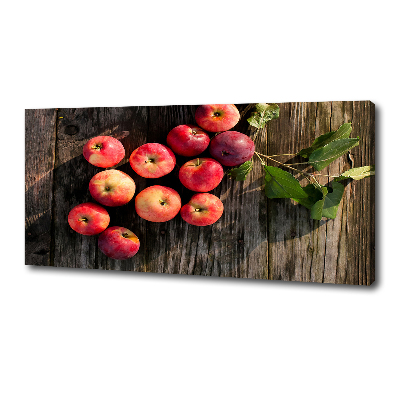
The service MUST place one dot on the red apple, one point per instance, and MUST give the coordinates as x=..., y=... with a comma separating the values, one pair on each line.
x=152, y=160
x=112, y=188
x=201, y=174
x=103, y=151
x=158, y=203
x=88, y=219
x=203, y=209
x=232, y=148
x=118, y=243
x=217, y=117
x=188, y=140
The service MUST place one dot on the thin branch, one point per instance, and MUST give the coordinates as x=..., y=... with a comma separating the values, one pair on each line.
x=278, y=155
x=309, y=180
x=318, y=184
x=289, y=166
x=285, y=165
x=299, y=163
x=257, y=154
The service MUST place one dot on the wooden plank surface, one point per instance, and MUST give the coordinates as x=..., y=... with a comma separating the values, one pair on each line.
x=331, y=251
x=40, y=139
x=255, y=238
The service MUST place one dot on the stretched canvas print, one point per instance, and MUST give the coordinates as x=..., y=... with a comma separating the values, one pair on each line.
x=263, y=191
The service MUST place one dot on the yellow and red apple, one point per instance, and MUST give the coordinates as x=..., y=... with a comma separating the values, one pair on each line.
x=112, y=188
x=158, y=203
x=203, y=209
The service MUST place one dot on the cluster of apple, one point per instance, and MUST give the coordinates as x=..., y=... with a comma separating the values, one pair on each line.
x=157, y=203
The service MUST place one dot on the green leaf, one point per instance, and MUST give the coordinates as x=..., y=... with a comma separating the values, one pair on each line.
x=313, y=195
x=322, y=157
x=342, y=133
x=281, y=184
x=329, y=204
x=262, y=114
x=357, y=173
x=317, y=208
x=240, y=173
x=332, y=200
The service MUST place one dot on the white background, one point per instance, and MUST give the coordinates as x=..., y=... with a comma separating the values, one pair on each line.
x=70, y=334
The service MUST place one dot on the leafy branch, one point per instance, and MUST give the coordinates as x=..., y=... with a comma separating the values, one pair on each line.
x=322, y=201
x=262, y=114
x=240, y=173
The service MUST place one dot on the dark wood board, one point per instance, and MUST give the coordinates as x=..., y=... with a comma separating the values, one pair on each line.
x=255, y=238
x=40, y=139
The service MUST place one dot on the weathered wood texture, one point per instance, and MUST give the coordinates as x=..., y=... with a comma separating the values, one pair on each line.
x=332, y=251
x=255, y=238
x=40, y=138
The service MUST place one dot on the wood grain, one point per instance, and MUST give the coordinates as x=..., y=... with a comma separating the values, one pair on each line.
x=255, y=238
x=329, y=251
x=40, y=139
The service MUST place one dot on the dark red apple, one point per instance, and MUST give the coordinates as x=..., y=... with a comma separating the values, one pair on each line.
x=201, y=174
x=232, y=148
x=188, y=140
x=203, y=209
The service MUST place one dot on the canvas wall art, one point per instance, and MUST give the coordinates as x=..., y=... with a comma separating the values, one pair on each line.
x=262, y=191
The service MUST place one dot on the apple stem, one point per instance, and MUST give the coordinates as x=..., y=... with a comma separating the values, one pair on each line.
x=198, y=162
x=83, y=219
